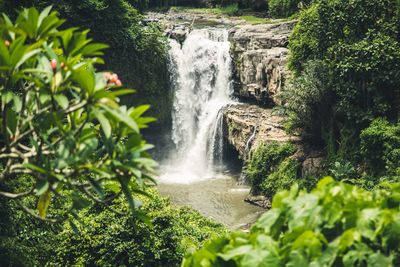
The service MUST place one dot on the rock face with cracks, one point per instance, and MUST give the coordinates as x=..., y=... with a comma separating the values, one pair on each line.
x=247, y=126
x=260, y=53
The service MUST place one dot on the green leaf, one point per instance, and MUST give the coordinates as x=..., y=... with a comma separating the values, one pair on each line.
x=379, y=260
x=41, y=187
x=260, y=258
x=43, y=204
x=138, y=111
x=62, y=100
x=86, y=79
x=123, y=92
x=97, y=187
x=236, y=252
x=122, y=117
x=17, y=103
x=12, y=120
x=105, y=124
x=79, y=202
x=25, y=57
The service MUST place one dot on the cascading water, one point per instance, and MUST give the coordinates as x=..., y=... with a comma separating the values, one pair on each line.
x=201, y=71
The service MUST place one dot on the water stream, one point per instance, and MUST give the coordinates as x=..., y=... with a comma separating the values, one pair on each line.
x=194, y=172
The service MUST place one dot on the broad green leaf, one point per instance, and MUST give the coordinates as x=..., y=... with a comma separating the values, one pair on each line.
x=43, y=204
x=122, y=117
x=62, y=100
x=260, y=258
x=105, y=124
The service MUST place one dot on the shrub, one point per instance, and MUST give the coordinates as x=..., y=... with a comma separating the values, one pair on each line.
x=283, y=177
x=285, y=8
x=307, y=100
x=109, y=239
x=231, y=10
x=337, y=224
x=62, y=123
x=380, y=148
x=264, y=161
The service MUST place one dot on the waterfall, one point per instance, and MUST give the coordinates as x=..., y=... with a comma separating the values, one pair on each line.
x=201, y=78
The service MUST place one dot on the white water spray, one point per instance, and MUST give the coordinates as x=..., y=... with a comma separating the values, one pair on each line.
x=201, y=71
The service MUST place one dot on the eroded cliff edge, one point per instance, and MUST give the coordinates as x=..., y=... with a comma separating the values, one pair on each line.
x=260, y=54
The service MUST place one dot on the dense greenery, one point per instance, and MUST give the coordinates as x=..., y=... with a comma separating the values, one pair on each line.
x=285, y=8
x=346, y=64
x=335, y=225
x=109, y=239
x=265, y=167
x=137, y=52
x=358, y=47
x=73, y=157
x=105, y=237
x=380, y=148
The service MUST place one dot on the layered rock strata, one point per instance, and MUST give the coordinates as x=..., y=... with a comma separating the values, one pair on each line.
x=260, y=53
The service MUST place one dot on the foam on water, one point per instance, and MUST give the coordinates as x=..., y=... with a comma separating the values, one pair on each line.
x=201, y=78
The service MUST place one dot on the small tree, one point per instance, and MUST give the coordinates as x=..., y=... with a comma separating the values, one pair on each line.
x=61, y=123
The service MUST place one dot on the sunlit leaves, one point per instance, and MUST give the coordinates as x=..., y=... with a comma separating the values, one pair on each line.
x=304, y=232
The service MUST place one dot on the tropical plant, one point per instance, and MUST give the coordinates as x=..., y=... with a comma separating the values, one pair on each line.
x=61, y=121
x=380, y=148
x=337, y=224
x=264, y=163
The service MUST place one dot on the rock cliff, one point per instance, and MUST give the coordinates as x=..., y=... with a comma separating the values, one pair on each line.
x=260, y=54
x=247, y=126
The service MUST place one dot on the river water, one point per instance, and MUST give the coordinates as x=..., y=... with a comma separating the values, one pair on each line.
x=194, y=174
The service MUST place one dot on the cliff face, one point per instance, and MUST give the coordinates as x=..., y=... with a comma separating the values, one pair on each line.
x=260, y=53
x=249, y=125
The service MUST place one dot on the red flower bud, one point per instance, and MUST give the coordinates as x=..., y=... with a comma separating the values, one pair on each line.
x=7, y=43
x=53, y=64
x=114, y=78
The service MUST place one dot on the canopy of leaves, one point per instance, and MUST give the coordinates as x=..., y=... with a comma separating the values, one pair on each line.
x=337, y=224
x=359, y=43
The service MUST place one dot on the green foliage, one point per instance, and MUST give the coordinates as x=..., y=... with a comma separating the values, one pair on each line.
x=337, y=224
x=380, y=148
x=306, y=100
x=266, y=164
x=285, y=174
x=105, y=238
x=110, y=239
x=61, y=120
x=137, y=52
x=341, y=170
x=285, y=8
x=359, y=44
x=24, y=240
x=231, y=10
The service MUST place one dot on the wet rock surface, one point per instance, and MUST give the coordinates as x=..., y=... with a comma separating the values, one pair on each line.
x=261, y=201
